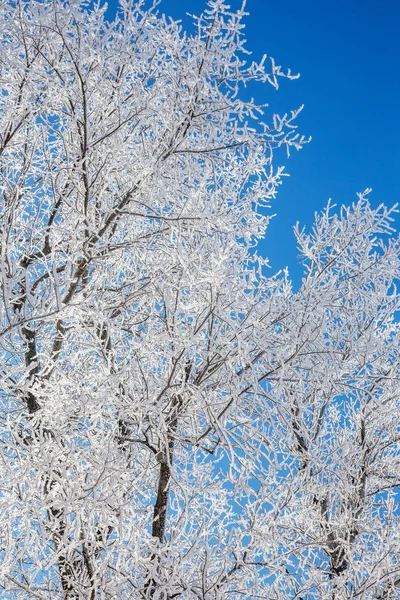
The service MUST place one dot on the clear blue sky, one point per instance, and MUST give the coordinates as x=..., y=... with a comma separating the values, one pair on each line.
x=348, y=54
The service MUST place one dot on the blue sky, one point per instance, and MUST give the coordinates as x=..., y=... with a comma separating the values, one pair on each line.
x=348, y=54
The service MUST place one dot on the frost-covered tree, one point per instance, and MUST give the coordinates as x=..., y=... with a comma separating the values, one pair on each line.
x=175, y=422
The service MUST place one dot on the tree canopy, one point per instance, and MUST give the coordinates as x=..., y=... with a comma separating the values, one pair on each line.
x=176, y=422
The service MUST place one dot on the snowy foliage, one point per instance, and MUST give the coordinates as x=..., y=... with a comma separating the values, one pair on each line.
x=176, y=424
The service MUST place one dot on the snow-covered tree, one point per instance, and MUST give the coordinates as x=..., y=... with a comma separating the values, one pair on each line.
x=176, y=423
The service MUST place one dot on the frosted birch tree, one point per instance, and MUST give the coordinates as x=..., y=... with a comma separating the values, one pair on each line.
x=176, y=422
